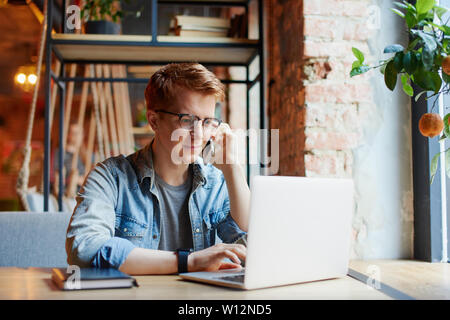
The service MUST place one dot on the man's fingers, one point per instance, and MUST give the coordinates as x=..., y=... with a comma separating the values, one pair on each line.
x=229, y=265
x=241, y=252
x=223, y=129
x=230, y=254
x=231, y=245
x=239, y=249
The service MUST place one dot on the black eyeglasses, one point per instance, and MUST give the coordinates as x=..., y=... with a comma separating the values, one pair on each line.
x=187, y=121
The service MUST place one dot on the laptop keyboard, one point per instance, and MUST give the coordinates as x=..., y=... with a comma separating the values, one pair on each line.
x=234, y=278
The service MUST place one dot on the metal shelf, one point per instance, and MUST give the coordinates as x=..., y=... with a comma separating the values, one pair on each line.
x=152, y=49
x=83, y=48
x=207, y=2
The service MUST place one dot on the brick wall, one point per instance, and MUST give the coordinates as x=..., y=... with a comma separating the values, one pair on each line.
x=331, y=125
x=312, y=99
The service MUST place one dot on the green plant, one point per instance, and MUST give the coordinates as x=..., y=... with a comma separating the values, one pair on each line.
x=421, y=62
x=101, y=10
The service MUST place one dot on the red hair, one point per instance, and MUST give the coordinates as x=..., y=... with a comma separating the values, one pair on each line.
x=163, y=85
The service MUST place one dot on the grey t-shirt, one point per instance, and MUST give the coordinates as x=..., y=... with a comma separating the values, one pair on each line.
x=176, y=231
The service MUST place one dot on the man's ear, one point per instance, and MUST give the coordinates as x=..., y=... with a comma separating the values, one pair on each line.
x=152, y=119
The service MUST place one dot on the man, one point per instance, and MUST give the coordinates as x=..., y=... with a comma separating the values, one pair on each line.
x=135, y=212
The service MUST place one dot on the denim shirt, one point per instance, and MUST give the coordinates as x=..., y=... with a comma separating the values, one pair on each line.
x=118, y=210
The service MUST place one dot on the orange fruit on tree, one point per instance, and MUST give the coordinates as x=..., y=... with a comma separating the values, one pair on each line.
x=430, y=124
x=446, y=65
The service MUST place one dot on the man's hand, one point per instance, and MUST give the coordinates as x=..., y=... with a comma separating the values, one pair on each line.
x=225, y=142
x=226, y=160
x=211, y=259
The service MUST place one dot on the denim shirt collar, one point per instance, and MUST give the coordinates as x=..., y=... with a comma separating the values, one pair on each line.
x=143, y=164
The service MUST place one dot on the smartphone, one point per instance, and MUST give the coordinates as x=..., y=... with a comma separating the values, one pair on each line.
x=208, y=152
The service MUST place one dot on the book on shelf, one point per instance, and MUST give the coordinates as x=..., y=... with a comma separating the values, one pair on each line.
x=195, y=26
x=238, y=26
x=199, y=28
x=213, y=22
x=197, y=33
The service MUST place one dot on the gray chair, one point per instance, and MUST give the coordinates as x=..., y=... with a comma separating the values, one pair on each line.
x=33, y=239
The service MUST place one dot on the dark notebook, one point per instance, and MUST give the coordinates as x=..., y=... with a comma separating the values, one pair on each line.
x=91, y=278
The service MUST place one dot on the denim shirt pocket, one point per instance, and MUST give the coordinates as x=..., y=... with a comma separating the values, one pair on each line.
x=131, y=229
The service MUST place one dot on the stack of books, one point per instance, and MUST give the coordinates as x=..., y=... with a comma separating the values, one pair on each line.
x=194, y=26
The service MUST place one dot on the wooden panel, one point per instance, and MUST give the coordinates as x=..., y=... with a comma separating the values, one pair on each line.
x=418, y=279
x=138, y=53
x=286, y=93
x=35, y=283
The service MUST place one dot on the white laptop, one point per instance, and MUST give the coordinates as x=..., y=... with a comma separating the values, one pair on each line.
x=299, y=231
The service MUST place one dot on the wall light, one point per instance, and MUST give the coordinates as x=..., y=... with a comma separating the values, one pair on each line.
x=21, y=78
x=26, y=77
x=32, y=78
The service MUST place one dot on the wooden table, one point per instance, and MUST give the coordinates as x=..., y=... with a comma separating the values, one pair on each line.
x=420, y=280
x=35, y=283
